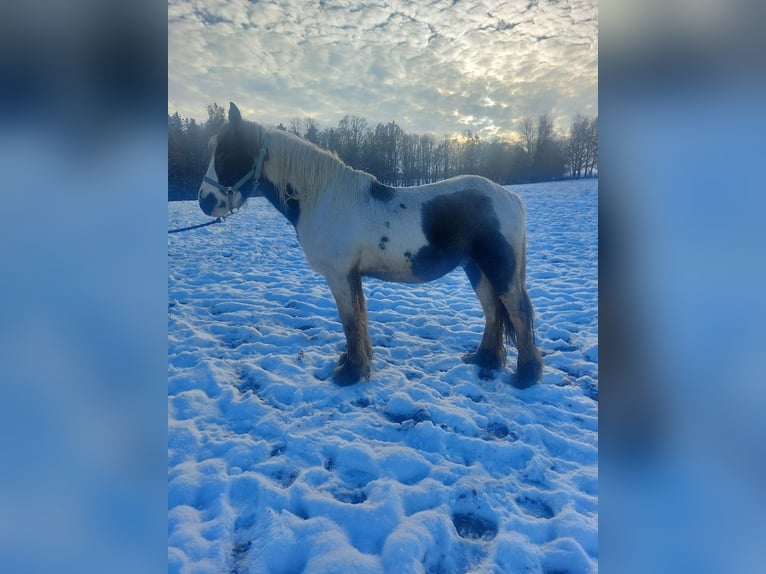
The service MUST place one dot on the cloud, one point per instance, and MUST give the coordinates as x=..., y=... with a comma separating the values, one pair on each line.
x=427, y=65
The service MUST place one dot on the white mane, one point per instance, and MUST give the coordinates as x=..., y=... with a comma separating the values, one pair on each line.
x=309, y=171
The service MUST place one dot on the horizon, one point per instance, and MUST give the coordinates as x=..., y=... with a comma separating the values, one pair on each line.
x=508, y=138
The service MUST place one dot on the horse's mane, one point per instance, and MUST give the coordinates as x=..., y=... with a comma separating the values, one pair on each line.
x=301, y=170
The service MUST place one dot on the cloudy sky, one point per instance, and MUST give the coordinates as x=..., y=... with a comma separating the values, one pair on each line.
x=433, y=66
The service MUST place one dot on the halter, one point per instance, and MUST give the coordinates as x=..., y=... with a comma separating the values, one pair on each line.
x=254, y=173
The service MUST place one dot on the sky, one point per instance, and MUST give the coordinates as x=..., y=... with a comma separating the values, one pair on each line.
x=433, y=66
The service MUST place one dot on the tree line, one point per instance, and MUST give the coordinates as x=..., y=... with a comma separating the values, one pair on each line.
x=398, y=158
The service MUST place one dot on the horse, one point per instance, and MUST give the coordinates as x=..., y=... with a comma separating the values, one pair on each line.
x=351, y=226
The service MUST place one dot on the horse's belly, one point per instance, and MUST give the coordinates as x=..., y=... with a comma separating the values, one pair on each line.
x=383, y=265
x=415, y=266
x=398, y=276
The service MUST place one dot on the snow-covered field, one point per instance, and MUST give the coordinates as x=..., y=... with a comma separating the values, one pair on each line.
x=425, y=468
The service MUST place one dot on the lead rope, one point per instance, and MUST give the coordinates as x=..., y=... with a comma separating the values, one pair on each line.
x=216, y=220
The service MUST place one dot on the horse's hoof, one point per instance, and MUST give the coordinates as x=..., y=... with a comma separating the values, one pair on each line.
x=486, y=361
x=347, y=374
x=521, y=382
x=527, y=374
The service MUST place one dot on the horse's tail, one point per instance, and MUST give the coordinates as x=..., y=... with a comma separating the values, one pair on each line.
x=525, y=309
x=504, y=319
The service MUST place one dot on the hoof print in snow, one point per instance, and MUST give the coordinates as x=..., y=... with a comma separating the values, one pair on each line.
x=240, y=549
x=417, y=417
x=474, y=527
x=498, y=429
x=563, y=346
x=350, y=496
x=535, y=507
x=572, y=373
x=239, y=557
x=361, y=402
x=248, y=382
x=285, y=477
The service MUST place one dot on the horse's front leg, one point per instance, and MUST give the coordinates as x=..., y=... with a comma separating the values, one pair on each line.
x=354, y=364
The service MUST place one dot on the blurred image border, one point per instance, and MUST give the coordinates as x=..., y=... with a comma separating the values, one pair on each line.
x=84, y=341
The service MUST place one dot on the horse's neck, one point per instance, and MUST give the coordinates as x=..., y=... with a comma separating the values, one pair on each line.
x=303, y=175
x=289, y=208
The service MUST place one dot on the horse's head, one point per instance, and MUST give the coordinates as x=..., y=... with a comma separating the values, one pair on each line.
x=232, y=170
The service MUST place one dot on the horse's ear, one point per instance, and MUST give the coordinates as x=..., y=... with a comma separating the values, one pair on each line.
x=234, y=116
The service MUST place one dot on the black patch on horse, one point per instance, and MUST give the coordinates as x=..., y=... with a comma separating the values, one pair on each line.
x=208, y=203
x=291, y=208
x=462, y=227
x=474, y=273
x=430, y=263
x=235, y=153
x=381, y=192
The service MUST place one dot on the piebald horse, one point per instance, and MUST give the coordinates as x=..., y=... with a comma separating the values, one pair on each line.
x=352, y=226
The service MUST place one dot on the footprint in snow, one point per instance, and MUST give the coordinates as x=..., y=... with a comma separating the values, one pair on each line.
x=349, y=496
x=473, y=518
x=418, y=416
x=284, y=477
x=536, y=507
x=474, y=527
x=499, y=430
x=239, y=556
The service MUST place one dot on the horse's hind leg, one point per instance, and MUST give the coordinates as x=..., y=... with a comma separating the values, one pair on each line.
x=490, y=354
x=506, y=270
x=354, y=364
x=529, y=368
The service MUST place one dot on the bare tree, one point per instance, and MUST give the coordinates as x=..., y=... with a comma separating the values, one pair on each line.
x=528, y=135
x=529, y=144
x=396, y=157
x=427, y=151
x=351, y=134
x=548, y=160
x=408, y=158
x=576, y=147
x=296, y=127
x=592, y=149
x=545, y=133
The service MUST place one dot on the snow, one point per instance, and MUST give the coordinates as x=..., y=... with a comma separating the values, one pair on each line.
x=425, y=468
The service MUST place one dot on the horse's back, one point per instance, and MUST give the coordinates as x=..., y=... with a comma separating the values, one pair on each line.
x=480, y=185
x=458, y=183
